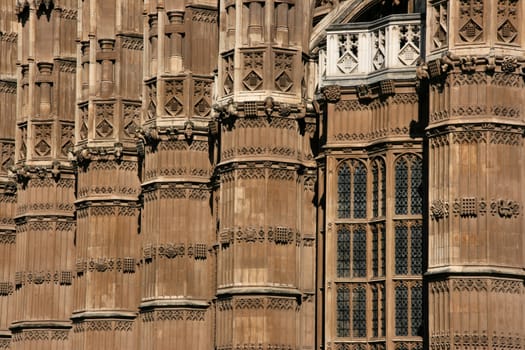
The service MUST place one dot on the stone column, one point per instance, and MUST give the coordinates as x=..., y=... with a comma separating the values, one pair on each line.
x=476, y=174
x=267, y=175
x=108, y=114
x=45, y=224
x=8, y=56
x=177, y=227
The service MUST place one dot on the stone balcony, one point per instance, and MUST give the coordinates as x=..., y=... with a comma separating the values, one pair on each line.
x=364, y=53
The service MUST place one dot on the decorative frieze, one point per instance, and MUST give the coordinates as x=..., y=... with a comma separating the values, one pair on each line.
x=278, y=235
x=105, y=264
x=103, y=326
x=40, y=335
x=197, y=251
x=64, y=278
x=173, y=315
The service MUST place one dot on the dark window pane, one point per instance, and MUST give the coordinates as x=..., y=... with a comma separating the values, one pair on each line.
x=375, y=262
x=416, y=248
x=416, y=179
x=383, y=311
x=359, y=252
x=359, y=191
x=401, y=187
x=401, y=247
x=343, y=191
x=417, y=309
x=375, y=190
x=383, y=249
x=359, y=312
x=343, y=252
x=375, y=316
x=343, y=313
x=401, y=310
x=383, y=191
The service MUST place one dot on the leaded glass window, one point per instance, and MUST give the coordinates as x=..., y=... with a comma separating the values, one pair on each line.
x=416, y=178
x=401, y=187
x=383, y=311
x=401, y=249
x=359, y=252
x=416, y=249
x=343, y=191
x=359, y=312
x=351, y=188
x=359, y=191
x=383, y=189
x=343, y=312
x=375, y=313
x=401, y=313
x=383, y=249
x=343, y=252
x=416, y=309
x=375, y=190
x=375, y=252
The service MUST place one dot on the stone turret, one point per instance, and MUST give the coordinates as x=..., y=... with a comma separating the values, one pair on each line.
x=476, y=173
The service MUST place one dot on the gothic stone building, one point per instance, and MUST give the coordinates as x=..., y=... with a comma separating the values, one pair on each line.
x=262, y=174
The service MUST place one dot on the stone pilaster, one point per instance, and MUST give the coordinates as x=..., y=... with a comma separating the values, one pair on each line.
x=8, y=55
x=177, y=226
x=108, y=113
x=476, y=173
x=45, y=224
x=266, y=216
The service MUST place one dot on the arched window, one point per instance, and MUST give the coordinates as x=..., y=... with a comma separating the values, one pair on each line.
x=408, y=181
x=343, y=191
x=351, y=190
x=378, y=188
x=401, y=187
x=408, y=248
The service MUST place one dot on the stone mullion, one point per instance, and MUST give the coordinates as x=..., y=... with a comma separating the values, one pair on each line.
x=45, y=210
x=475, y=210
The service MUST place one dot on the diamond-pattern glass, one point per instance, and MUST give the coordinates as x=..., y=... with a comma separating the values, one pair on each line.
x=375, y=190
x=416, y=178
x=383, y=191
x=401, y=314
x=416, y=310
x=401, y=187
x=359, y=252
x=375, y=262
x=359, y=312
x=343, y=191
x=359, y=191
x=343, y=313
x=416, y=249
x=383, y=249
x=383, y=311
x=375, y=316
x=343, y=252
x=401, y=249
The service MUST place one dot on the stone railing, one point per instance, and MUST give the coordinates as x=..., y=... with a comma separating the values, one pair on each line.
x=366, y=51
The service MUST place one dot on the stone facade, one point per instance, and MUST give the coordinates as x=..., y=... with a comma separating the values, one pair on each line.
x=262, y=174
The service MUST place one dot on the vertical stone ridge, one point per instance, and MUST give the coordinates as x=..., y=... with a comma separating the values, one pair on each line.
x=45, y=224
x=266, y=174
x=108, y=207
x=179, y=146
x=476, y=158
x=8, y=55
